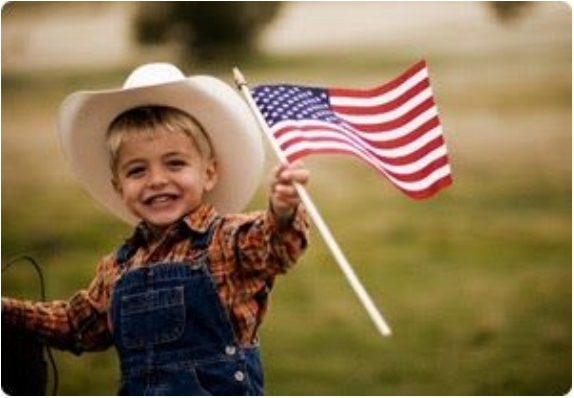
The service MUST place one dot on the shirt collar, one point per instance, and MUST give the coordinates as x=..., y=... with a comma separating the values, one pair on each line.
x=198, y=221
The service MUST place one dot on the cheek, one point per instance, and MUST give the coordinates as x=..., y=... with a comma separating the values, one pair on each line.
x=192, y=182
x=195, y=184
x=127, y=190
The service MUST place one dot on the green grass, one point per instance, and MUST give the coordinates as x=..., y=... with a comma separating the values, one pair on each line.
x=475, y=283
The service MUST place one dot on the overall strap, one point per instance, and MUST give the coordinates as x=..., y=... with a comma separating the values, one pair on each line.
x=125, y=253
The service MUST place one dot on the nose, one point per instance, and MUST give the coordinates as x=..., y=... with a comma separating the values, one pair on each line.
x=157, y=177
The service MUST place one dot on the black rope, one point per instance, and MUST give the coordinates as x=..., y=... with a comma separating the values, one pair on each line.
x=35, y=265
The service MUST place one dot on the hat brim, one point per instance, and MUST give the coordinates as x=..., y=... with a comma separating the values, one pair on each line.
x=231, y=127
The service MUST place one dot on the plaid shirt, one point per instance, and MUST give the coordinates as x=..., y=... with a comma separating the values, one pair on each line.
x=246, y=253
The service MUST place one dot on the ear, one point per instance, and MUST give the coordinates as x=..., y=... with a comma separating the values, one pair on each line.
x=211, y=175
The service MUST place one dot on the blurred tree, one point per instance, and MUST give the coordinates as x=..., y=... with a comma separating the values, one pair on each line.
x=509, y=11
x=205, y=31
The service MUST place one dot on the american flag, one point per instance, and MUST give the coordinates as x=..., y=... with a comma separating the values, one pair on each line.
x=395, y=127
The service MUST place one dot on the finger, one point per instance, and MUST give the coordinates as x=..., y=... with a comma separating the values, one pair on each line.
x=283, y=191
x=280, y=169
x=275, y=177
x=300, y=176
x=294, y=172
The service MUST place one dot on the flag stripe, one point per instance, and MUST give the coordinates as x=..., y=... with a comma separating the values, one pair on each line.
x=411, y=86
x=354, y=107
x=413, y=73
x=385, y=152
x=402, y=134
x=395, y=127
x=397, y=163
x=385, y=113
x=417, y=188
x=373, y=126
x=407, y=165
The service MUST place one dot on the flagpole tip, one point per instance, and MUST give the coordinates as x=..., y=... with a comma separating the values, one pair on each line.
x=238, y=76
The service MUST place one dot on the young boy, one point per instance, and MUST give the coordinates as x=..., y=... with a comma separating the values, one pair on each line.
x=183, y=297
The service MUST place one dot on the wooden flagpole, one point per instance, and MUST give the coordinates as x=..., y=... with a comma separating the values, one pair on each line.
x=344, y=265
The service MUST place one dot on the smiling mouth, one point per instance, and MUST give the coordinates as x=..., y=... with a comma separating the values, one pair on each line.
x=158, y=200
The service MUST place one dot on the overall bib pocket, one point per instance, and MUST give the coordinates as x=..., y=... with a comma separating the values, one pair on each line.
x=152, y=317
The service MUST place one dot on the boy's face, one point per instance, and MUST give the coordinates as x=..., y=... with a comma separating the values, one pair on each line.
x=163, y=177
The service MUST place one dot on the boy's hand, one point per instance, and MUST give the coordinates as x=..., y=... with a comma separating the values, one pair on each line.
x=284, y=197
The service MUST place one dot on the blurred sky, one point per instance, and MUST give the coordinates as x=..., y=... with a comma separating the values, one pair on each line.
x=40, y=35
x=461, y=27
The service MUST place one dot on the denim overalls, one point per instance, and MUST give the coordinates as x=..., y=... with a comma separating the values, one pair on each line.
x=173, y=335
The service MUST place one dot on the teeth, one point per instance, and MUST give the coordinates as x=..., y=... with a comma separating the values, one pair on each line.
x=159, y=199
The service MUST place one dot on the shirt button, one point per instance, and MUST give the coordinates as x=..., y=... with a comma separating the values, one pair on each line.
x=230, y=350
x=239, y=375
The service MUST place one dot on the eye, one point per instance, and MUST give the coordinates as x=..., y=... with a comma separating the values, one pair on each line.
x=135, y=171
x=176, y=164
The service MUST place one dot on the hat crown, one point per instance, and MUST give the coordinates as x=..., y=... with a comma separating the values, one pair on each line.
x=153, y=74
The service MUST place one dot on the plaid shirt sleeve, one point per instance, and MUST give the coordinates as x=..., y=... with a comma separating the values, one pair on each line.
x=283, y=243
x=248, y=251
x=79, y=324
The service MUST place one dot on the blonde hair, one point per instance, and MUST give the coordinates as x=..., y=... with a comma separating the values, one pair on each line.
x=147, y=121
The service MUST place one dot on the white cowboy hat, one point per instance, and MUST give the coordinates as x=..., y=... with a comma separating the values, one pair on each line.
x=234, y=134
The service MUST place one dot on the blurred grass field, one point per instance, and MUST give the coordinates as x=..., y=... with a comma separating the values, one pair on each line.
x=476, y=282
